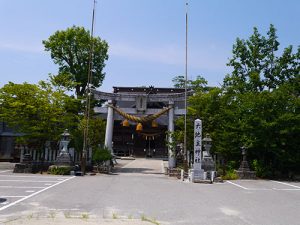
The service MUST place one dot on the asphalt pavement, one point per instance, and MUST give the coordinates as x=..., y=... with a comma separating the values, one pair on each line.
x=138, y=193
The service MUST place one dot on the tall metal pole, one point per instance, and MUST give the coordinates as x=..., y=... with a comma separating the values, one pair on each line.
x=88, y=97
x=185, y=83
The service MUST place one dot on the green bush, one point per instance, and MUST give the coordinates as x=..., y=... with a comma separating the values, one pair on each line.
x=101, y=155
x=260, y=170
x=59, y=170
x=230, y=175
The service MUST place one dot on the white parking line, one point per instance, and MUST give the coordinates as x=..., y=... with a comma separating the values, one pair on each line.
x=240, y=186
x=19, y=187
x=29, y=196
x=30, y=181
x=285, y=189
x=13, y=175
x=4, y=171
x=285, y=184
x=13, y=196
x=259, y=189
x=30, y=191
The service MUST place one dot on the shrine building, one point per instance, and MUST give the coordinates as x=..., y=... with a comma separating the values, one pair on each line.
x=139, y=119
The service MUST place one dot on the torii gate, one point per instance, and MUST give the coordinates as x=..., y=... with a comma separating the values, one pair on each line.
x=174, y=101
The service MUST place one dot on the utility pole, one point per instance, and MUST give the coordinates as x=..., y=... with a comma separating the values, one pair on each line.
x=88, y=98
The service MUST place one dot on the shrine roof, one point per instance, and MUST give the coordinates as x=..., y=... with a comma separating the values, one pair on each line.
x=151, y=89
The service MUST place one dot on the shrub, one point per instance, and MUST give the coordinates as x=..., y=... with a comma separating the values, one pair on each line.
x=230, y=175
x=260, y=169
x=59, y=170
x=101, y=155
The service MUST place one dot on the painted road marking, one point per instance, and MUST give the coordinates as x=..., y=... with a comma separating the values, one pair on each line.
x=13, y=175
x=259, y=189
x=291, y=185
x=19, y=187
x=268, y=189
x=29, y=191
x=31, y=181
x=33, y=194
x=4, y=171
x=240, y=186
x=13, y=196
x=285, y=189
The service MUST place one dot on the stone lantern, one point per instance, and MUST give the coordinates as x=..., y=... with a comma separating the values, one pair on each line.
x=64, y=157
x=208, y=163
x=207, y=143
x=65, y=140
x=244, y=171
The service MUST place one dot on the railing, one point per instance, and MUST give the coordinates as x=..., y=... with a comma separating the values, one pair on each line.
x=49, y=155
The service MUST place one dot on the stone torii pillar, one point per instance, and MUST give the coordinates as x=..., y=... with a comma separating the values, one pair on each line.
x=109, y=127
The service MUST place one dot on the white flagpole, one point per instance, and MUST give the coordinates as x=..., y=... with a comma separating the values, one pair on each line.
x=185, y=83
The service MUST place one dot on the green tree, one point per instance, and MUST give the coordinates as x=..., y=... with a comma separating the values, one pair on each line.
x=257, y=65
x=197, y=85
x=39, y=112
x=96, y=133
x=257, y=107
x=71, y=51
x=265, y=86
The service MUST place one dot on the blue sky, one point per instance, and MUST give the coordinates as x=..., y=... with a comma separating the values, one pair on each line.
x=146, y=37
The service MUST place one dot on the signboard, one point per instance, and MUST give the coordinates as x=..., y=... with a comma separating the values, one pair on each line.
x=197, y=144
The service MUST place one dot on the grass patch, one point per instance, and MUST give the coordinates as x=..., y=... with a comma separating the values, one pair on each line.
x=67, y=215
x=144, y=218
x=59, y=170
x=30, y=216
x=52, y=215
x=85, y=216
x=114, y=216
x=230, y=175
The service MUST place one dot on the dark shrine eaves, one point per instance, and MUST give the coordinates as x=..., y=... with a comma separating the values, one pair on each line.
x=147, y=90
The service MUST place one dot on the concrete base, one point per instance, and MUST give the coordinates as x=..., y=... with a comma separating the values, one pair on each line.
x=172, y=162
x=244, y=174
x=208, y=164
x=23, y=168
x=64, y=159
x=197, y=175
x=244, y=171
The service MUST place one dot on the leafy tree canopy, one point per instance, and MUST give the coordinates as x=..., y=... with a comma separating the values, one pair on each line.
x=197, y=85
x=258, y=106
x=257, y=64
x=70, y=49
x=39, y=112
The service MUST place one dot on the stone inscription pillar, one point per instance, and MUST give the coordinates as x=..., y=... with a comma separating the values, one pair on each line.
x=109, y=127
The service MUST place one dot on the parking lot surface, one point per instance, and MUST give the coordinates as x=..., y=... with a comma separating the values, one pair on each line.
x=145, y=193
x=15, y=188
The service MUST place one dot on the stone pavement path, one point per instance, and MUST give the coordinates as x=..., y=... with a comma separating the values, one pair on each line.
x=141, y=166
